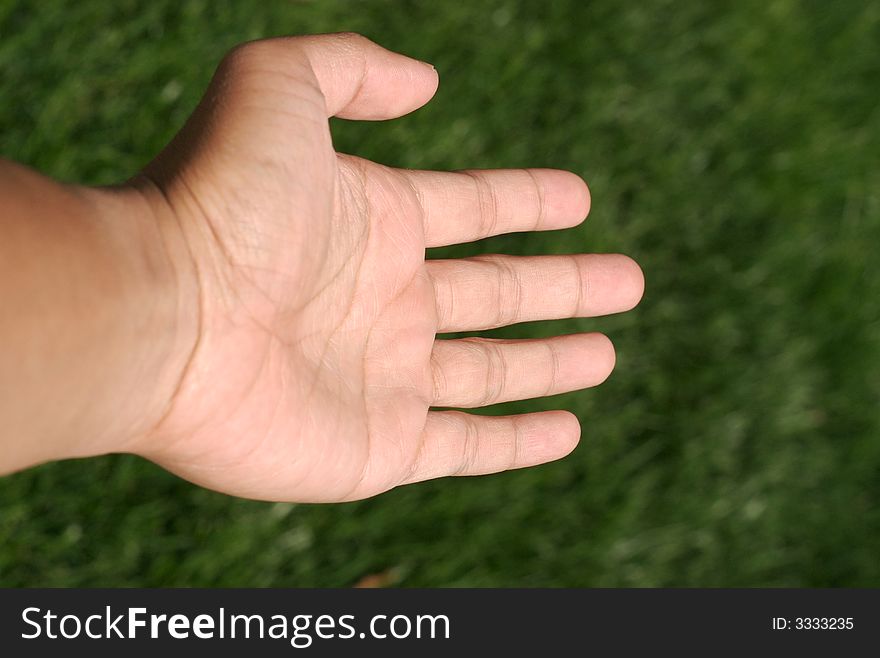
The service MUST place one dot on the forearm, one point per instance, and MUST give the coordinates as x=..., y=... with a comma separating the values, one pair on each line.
x=94, y=320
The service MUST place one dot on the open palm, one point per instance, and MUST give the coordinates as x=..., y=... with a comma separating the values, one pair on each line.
x=316, y=362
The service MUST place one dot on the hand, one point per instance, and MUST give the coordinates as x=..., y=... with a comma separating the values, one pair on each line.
x=316, y=363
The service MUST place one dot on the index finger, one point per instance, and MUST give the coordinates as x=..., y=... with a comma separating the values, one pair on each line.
x=469, y=205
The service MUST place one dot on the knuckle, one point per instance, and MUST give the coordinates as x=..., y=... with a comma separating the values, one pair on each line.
x=240, y=63
x=280, y=53
x=508, y=291
x=582, y=284
x=443, y=286
x=243, y=54
x=494, y=368
x=486, y=200
x=553, y=358
x=438, y=379
x=355, y=39
x=469, y=448
x=539, y=202
x=516, y=440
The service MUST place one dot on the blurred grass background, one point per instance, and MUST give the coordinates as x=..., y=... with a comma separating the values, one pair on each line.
x=732, y=147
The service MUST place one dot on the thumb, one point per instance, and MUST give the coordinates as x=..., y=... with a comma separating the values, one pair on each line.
x=362, y=80
x=344, y=75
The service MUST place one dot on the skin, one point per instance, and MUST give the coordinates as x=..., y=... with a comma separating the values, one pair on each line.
x=255, y=313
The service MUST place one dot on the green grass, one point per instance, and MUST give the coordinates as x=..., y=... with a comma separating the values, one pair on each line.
x=732, y=147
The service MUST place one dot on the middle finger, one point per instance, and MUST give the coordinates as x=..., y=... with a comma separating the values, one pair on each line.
x=484, y=292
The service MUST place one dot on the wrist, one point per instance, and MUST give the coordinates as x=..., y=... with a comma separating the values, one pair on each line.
x=163, y=309
x=101, y=318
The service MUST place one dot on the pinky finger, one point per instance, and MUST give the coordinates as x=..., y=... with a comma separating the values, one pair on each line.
x=456, y=443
